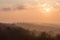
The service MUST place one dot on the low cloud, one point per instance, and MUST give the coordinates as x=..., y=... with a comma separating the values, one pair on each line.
x=6, y=9
x=13, y=8
x=20, y=8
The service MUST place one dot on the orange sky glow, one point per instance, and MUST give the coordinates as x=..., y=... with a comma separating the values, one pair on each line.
x=45, y=13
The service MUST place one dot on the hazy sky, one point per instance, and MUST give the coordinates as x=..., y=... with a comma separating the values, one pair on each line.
x=30, y=11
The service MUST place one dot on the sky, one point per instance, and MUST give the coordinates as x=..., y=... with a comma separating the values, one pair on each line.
x=34, y=11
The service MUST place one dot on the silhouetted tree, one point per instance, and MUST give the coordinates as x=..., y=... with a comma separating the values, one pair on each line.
x=43, y=36
x=58, y=37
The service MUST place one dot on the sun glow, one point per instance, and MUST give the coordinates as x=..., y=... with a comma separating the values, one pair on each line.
x=46, y=8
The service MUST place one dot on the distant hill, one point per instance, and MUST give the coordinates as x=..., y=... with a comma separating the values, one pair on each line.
x=36, y=28
x=29, y=31
x=40, y=27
